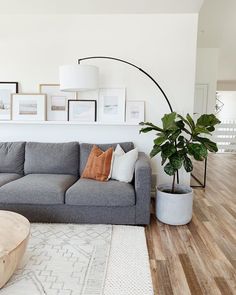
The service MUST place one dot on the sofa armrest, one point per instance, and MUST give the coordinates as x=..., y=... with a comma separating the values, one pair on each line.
x=142, y=184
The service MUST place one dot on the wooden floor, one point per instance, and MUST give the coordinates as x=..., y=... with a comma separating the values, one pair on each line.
x=199, y=258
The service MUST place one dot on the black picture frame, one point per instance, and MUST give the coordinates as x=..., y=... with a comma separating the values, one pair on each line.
x=82, y=100
x=16, y=83
x=6, y=105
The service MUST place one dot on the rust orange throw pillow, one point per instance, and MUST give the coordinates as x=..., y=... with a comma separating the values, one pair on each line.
x=99, y=164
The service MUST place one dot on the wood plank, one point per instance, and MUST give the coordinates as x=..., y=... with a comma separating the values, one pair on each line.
x=155, y=282
x=190, y=275
x=164, y=286
x=150, y=245
x=156, y=238
x=177, y=276
x=230, y=210
x=223, y=286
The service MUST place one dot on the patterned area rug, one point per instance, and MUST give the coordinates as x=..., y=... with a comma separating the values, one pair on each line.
x=69, y=259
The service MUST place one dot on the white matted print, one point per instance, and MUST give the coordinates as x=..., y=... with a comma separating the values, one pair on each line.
x=135, y=111
x=57, y=101
x=82, y=110
x=6, y=89
x=111, y=105
x=28, y=107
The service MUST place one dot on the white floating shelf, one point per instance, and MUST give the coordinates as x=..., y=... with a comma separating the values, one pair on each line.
x=64, y=123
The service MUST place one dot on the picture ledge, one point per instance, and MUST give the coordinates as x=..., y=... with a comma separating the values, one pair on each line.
x=66, y=123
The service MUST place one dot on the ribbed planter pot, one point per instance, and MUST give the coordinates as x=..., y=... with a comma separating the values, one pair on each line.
x=174, y=209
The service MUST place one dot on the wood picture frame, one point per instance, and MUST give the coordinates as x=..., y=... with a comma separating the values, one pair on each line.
x=57, y=101
x=28, y=107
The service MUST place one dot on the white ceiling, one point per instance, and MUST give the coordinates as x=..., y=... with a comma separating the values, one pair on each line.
x=98, y=6
x=217, y=28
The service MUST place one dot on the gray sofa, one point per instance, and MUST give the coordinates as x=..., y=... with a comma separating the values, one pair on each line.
x=41, y=181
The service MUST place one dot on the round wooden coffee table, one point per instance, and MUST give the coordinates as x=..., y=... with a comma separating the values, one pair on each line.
x=14, y=235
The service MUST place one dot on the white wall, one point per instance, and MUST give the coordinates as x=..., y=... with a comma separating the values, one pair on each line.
x=33, y=46
x=206, y=73
x=228, y=111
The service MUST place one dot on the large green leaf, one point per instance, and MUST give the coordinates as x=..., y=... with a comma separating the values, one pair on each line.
x=163, y=159
x=180, y=124
x=188, y=165
x=208, y=120
x=184, y=120
x=175, y=135
x=211, y=128
x=168, y=149
x=201, y=129
x=183, y=152
x=155, y=150
x=191, y=122
x=210, y=145
x=169, y=169
x=197, y=150
x=159, y=140
x=168, y=121
x=176, y=161
x=180, y=144
x=150, y=125
x=146, y=130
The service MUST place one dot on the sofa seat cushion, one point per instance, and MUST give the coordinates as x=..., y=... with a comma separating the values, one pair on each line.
x=37, y=189
x=8, y=177
x=88, y=192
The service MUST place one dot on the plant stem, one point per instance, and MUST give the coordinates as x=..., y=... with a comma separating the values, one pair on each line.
x=173, y=185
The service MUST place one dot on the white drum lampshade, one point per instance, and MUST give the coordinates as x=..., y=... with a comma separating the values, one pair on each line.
x=78, y=77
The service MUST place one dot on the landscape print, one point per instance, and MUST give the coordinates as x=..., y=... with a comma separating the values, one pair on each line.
x=58, y=103
x=5, y=104
x=5, y=101
x=83, y=111
x=111, y=105
x=28, y=107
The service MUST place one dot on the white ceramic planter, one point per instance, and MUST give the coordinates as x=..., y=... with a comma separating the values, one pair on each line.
x=174, y=209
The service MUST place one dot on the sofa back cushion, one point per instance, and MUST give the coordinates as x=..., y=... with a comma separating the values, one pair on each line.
x=52, y=158
x=12, y=157
x=85, y=149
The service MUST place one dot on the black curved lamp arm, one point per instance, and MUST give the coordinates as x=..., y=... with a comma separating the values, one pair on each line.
x=140, y=69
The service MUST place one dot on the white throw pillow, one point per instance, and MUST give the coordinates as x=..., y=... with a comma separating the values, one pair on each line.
x=123, y=164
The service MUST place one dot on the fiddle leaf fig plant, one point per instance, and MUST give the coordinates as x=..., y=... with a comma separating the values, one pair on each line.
x=179, y=139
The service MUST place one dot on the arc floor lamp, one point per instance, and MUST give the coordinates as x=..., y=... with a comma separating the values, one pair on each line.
x=85, y=77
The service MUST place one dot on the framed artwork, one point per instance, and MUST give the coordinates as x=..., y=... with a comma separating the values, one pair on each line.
x=135, y=111
x=28, y=107
x=57, y=101
x=111, y=105
x=82, y=110
x=6, y=89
